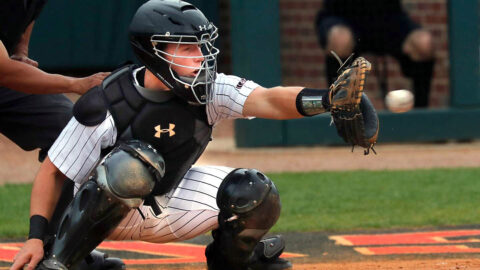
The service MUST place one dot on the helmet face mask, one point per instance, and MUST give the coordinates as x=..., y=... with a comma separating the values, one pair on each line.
x=160, y=30
x=202, y=82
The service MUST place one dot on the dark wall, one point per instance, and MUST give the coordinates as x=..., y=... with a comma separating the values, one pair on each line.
x=89, y=34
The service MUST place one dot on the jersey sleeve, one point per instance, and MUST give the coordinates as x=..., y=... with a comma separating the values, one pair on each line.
x=228, y=97
x=78, y=148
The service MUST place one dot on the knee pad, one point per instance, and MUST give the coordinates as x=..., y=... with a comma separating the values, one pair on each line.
x=250, y=198
x=130, y=171
x=249, y=206
x=120, y=182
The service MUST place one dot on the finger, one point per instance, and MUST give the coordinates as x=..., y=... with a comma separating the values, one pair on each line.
x=102, y=75
x=33, y=262
x=32, y=62
x=20, y=262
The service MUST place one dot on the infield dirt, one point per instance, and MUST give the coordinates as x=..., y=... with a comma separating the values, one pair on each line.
x=19, y=166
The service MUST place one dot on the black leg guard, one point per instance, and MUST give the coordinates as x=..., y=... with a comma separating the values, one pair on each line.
x=249, y=206
x=122, y=180
x=265, y=256
x=88, y=220
x=97, y=260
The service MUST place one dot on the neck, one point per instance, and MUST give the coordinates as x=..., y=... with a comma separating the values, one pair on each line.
x=152, y=82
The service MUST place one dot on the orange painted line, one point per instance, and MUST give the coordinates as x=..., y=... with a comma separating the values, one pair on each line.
x=393, y=250
x=176, y=253
x=340, y=240
x=435, y=237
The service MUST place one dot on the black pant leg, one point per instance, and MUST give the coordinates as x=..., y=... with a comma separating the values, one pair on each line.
x=33, y=121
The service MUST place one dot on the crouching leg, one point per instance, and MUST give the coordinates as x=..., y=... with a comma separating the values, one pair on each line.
x=249, y=206
x=122, y=180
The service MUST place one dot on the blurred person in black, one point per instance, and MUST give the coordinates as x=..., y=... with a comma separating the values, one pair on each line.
x=380, y=27
x=28, y=117
x=32, y=109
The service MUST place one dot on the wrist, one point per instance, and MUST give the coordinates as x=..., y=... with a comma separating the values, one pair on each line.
x=72, y=85
x=38, y=227
x=311, y=102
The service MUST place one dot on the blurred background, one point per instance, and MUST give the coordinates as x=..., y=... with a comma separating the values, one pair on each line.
x=275, y=42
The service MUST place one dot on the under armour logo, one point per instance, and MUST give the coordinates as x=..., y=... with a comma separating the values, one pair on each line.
x=159, y=130
x=202, y=27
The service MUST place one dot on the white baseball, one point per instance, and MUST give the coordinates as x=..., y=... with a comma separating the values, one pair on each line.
x=399, y=101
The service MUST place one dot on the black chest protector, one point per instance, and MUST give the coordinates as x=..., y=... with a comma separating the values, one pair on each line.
x=180, y=132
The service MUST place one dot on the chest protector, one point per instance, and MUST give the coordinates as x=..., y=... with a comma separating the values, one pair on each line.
x=178, y=131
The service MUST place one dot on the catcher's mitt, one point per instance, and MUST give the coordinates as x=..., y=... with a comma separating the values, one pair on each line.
x=353, y=114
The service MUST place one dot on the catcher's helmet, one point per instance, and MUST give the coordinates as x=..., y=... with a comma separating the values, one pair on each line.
x=160, y=22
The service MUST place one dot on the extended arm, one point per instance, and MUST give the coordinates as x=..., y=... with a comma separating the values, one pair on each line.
x=45, y=194
x=352, y=112
x=285, y=102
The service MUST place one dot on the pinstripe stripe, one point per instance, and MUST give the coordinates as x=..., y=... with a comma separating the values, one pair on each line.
x=179, y=228
x=138, y=216
x=187, y=212
x=64, y=132
x=228, y=100
x=188, y=222
x=132, y=214
x=170, y=224
x=83, y=147
x=199, y=202
x=158, y=222
x=230, y=108
x=62, y=141
x=202, y=182
x=200, y=172
x=229, y=97
x=86, y=159
x=219, y=169
x=199, y=224
x=73, y=146
x=196, y=191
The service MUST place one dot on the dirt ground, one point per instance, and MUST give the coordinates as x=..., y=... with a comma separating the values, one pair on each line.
x=19, y=166
x=450, y=264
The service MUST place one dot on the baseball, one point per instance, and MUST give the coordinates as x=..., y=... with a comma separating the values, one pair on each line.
x=399, y=101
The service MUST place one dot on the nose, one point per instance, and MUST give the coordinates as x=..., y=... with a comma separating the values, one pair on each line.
x=198, y=52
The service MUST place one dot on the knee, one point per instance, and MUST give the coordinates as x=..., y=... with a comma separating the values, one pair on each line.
x=130, y=171
x=419, y=46
x=340, y=40
x=250, y=197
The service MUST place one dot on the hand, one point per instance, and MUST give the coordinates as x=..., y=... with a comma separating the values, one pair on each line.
x=23, y=58
x=82, y=85
x=31, y=254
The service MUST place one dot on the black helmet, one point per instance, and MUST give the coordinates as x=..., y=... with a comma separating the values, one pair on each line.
x=160, y=22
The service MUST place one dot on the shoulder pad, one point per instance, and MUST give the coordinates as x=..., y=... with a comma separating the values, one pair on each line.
x=90, y=109
x=115, y=74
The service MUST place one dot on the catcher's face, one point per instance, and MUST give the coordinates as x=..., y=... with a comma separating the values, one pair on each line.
x=192, y=61
x=186, y=59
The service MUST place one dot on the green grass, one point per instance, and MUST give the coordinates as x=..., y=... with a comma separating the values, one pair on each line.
x=14, y=210
x=336, y=201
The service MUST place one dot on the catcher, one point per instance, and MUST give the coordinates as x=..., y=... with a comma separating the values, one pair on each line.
x=132, y=142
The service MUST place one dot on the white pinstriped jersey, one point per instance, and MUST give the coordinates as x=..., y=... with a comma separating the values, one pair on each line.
x=188, y=210
x=78, y=147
